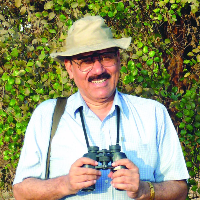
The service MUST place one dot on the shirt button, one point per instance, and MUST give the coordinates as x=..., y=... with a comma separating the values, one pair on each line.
x=106, y=181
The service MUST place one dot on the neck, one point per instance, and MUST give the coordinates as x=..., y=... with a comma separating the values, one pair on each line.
x=101, y=108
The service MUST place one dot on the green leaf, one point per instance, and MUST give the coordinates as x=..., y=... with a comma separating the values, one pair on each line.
x=179, y=115
x=188, y=119
x=157, y=10
x=12, y=102
x=145, y=49
x=139, y=65
x=6, y=139
x=63, y=18
x=38, y=14
x=182, y=125
x=197, y=118
x=48, y=5
x=149, y=62
x=157, y=59
x=140, y=79
x=144, y=72
x=189, y=127
x=5, y=77
x=139, y=53
x=183, y=132
x=52, y=31
x=152, y=53
x=120, y=6
x=131, y=65
x=160, y=17
x=140, y=45
x=8, y=87
x=36, y=98
x=124, y=70
x=17, y=3
x=91, y=6
x=45, y=13
x=189, y=164
x=27, y=91
x=11, y=81
x=14, y=52
x=42, y=56
x=167, y=41
x=197, y=124
x=60, y=2
x=74, y=5
x=163, y=93
x=186, y=61
x=197, y=133
x=111, y=14
x=174, y=6
x=30, y=64
x=44, y=40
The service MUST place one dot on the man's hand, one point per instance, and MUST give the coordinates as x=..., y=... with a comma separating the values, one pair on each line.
x=80, y=177
x=129, y=180
x=126, y=179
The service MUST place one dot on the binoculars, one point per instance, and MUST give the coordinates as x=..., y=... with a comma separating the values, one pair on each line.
x=104, y=157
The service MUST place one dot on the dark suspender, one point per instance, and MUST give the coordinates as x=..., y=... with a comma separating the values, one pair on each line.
x=58, y=112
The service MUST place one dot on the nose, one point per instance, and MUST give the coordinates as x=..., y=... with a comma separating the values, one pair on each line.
x=98, y=67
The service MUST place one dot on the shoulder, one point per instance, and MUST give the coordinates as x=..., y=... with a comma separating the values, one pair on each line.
x=46, y=106
x=141, y=102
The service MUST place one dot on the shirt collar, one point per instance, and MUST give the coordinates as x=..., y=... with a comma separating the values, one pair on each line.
x=79, y=101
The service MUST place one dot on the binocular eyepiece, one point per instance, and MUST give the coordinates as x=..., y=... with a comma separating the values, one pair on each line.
x=104, y=157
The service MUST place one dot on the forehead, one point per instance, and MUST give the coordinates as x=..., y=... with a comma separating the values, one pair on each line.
x=92, y=52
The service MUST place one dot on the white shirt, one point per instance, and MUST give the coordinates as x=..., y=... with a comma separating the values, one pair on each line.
x=147, y=137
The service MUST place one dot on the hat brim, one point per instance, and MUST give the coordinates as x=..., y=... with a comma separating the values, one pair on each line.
x=122, y=43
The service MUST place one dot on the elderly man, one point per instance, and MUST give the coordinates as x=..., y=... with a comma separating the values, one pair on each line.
x=154, y=167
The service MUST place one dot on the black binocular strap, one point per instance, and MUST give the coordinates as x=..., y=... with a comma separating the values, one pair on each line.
x=58, y=112
x=84, y=130
x=118, y=120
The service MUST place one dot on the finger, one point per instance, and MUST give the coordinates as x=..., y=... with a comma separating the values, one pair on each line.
x=110, y=174
x=125, y=172
x=85, y=178
x=75, y=187
x=86, y=184
x=126, y=180
x=84, y=161
x=84, y=171
x=124, y=162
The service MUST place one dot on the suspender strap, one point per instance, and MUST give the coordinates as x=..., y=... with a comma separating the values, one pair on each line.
x=58, y=112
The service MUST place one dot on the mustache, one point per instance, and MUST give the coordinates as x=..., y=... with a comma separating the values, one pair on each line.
x=101, y=76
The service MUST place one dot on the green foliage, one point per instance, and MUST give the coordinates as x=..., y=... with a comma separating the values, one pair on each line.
x=162, y=63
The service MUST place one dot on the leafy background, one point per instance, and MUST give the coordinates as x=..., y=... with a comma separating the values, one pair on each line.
x=162, y=63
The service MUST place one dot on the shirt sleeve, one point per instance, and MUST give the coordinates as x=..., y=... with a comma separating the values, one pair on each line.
x=171, y=163
x=32, y=160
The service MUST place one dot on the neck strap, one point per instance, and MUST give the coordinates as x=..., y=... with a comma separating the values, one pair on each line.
x=83, y=124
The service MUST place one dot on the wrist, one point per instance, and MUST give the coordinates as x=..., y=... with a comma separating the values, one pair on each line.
x=145, y=191
x=152, y=190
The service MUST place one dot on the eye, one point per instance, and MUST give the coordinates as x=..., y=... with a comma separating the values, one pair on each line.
x=86, y=61
x=107, y=56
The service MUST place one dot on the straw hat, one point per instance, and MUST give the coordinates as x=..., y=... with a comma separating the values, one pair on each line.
x=89, y=34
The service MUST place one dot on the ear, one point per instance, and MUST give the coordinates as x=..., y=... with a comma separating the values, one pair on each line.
x=68, y=67
x=118, y=59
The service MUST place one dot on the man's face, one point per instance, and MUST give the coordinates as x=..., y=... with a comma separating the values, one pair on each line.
x=98, y=84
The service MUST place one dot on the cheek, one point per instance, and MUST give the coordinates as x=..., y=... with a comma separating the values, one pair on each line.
x=79, y=78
